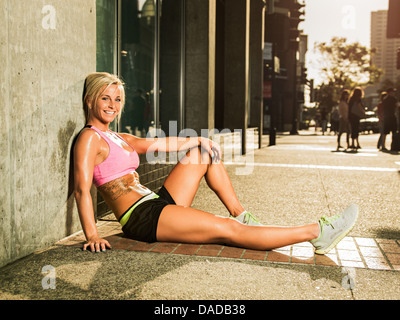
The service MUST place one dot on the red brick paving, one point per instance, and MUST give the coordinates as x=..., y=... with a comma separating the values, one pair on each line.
x=368, y=253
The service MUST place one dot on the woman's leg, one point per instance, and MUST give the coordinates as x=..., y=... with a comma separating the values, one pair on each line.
x=338, y=139
x=357, y=132
x=184, y=180
x=188, y=225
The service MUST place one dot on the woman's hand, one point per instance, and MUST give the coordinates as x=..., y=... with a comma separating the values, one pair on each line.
x=212, y=148
x=96, y=244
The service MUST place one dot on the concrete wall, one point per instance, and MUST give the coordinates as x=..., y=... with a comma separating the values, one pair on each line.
x=46, y=48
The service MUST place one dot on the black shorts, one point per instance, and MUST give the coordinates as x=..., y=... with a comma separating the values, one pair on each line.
x=143, y=220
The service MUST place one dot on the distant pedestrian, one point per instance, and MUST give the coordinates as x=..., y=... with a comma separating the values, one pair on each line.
x=356, y=113
x=379, y=113
x=389, y=116
x=324, y=121
x=344, y=126
x=335, y=120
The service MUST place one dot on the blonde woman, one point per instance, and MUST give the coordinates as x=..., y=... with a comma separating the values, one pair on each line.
x=109, y=160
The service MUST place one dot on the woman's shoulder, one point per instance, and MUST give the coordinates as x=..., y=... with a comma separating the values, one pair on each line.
x=88, y=132
x=88, y=136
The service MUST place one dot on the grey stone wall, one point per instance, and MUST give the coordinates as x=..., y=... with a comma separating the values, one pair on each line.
x=46, y=48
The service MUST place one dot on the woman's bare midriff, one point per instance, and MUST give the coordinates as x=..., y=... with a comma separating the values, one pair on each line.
x=120, y=194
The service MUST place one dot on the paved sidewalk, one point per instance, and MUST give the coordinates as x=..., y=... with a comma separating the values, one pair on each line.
x=292, y=183
x=356, y=252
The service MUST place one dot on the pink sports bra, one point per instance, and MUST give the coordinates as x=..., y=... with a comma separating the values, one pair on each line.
x=119, y=162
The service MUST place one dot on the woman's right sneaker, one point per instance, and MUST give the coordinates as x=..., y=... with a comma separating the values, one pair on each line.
x=247, y=218
x=334, y=229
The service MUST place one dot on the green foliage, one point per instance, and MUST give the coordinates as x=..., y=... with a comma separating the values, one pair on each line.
x=343, y=66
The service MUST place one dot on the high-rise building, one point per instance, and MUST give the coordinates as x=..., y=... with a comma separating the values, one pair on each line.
x=386, y=55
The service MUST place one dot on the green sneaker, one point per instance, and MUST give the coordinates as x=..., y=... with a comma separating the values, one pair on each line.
x=334, y=229
x=247, y=218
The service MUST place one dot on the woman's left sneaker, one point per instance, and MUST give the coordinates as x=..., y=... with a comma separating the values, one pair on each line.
x=334, y=229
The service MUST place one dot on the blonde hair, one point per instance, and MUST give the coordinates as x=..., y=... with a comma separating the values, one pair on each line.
x=95, y=84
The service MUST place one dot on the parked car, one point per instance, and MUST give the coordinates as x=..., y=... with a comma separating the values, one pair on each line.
x=369, y=123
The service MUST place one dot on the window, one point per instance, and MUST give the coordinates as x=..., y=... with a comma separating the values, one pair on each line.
x=152, y=65
x=172, y=66
x=148, y=56
x=139, y=65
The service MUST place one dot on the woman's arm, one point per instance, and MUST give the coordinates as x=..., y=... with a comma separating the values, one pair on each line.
x=361, y=106
x=85, y=154
x=173, y=144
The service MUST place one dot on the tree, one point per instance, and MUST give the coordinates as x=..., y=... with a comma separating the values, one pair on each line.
x=327, y=95
x=343, y=66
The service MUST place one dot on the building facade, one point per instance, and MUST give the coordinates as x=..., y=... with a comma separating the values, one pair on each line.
x=285, y=50
x=386, y=54
x=195, y=65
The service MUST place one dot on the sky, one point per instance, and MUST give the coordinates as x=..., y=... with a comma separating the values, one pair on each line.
x=325, y=19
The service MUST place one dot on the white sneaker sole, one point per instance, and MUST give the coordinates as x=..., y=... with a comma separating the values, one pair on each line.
x=342, y=235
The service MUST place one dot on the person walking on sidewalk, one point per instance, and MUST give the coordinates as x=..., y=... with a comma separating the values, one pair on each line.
x=356, y=112
x=344, y=125
x=379, y=113
x=389, y=116
x=110, y=160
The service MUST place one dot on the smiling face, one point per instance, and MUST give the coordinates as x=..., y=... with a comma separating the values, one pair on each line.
x=107, y=106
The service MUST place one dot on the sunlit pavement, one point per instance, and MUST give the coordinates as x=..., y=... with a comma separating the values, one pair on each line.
x=292, y=183
x=357, y=252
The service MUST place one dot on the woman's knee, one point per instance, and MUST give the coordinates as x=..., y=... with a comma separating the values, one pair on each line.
x=197, y=156
x=227, y=230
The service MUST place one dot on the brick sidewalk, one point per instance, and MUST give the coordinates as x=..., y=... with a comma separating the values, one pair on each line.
x=357, y=252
